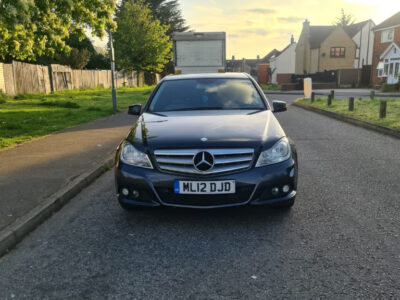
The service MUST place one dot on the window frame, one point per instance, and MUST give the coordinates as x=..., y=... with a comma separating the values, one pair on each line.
x=385, y=35
x=341, y=51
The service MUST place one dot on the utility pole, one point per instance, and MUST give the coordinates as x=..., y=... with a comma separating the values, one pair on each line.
x=112, y=59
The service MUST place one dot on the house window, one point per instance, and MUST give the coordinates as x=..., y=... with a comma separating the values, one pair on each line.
x=387, y=35
x=386, y=68
x=338, y=52
x=397, y=69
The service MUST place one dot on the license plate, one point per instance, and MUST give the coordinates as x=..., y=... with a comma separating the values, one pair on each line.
x=205, y=187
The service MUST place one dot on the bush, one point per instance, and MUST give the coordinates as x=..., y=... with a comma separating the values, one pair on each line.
x=389, y=88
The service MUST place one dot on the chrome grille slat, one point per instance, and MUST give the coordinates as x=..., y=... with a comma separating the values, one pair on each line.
x=226, y=160
x=232, y=160
x=177, y=161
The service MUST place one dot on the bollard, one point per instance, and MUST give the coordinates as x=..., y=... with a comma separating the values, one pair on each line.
x=329, y=100
x=312, y=97
x=351, y=103
x=333, y=94
x=382, y=109
x=372, y=95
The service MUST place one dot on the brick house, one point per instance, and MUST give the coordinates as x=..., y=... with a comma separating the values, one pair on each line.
x=322, y=48
x=386, y=57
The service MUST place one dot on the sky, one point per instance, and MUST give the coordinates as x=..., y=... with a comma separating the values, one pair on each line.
x=254, y=27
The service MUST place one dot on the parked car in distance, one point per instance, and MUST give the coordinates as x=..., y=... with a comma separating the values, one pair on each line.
x=206, y=141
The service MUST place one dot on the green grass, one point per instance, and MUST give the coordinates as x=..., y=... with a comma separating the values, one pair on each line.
x=271, y=87
x=34, y=115
x=365, y=109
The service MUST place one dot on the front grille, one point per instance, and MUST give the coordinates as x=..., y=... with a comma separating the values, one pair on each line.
x=225, y=160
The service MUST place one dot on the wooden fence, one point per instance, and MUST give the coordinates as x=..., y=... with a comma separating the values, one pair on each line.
x=19, y=78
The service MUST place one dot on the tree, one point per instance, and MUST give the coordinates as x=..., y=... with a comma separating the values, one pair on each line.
x=140, y=41
x=344, y=19
x=32, y=28
x=76, y=59
x=169, y=13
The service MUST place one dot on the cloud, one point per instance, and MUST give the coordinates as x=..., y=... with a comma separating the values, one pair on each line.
x=233, y=36
x=263, y=11
x=254, y=31
x=208, y=10
x=290, y=19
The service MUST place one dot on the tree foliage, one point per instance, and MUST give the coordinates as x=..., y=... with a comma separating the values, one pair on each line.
x=344, y=19
x=76, y=59
x=141, y=42
x=169, y=13
x=32, y=28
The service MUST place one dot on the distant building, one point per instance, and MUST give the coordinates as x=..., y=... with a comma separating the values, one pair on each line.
x=323, y=48
x=386, y=58
x=249, y=66
x=283, y=62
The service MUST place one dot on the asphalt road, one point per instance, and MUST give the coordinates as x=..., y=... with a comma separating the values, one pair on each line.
x=340, y=240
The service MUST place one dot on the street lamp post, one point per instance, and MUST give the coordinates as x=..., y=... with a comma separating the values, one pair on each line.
x=112, y=59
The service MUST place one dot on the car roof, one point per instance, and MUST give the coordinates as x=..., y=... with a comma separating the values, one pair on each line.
x=208, y=75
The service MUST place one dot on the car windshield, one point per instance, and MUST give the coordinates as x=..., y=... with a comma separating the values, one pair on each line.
x=206, y=94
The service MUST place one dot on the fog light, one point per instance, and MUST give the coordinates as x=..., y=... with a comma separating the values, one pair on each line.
x=125, y=192
x=275, y=191
x=285, y=188
x=291, y=174
x=135, y=194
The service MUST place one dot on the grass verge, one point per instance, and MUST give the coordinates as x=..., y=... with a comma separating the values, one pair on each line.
x=33, y=115
x=270, y=87
x=366, y=110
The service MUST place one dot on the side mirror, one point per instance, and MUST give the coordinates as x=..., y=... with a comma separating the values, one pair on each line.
x=279, y=106
x=135, y=109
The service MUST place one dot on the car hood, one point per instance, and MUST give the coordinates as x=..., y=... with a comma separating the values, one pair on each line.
x=187, y=129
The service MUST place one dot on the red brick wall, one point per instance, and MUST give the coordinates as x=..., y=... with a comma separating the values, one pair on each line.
x=284, y=78
x=379, y=48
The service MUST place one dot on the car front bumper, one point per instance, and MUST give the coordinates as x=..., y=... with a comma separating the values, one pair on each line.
x=253, y=187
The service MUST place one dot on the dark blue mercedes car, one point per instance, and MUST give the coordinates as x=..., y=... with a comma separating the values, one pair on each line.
x=206, y=141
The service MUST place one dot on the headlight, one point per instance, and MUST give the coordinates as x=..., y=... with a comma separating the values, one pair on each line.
x=131, y=156
x=277, y=153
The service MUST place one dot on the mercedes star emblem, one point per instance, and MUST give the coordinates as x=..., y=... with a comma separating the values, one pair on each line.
x=203, y=161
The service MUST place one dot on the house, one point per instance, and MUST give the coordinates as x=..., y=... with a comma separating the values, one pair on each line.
x=322, y=48
x=283, y=62
x=363, y=35
x=386, y=57
x=249, y=66
x=237, y=65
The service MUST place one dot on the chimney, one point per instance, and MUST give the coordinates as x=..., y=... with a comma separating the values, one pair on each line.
x=233, y=57
x=292, y=39
x=258, y=57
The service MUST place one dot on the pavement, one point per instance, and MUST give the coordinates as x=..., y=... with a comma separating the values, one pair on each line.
x=340, y=241
x=33, y=171
x=340, y=93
